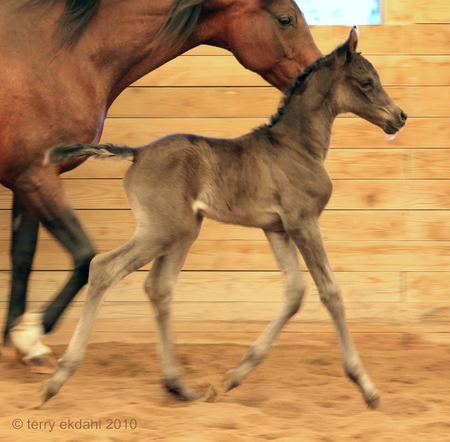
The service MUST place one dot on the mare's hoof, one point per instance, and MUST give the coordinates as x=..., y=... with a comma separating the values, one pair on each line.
x=25, y=337
x=42, y=364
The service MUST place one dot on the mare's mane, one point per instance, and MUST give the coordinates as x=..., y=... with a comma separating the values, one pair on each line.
x=180, y=21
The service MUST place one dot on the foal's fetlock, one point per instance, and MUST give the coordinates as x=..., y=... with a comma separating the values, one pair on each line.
x=181, y=390
x=362, y=380
x=234, y=377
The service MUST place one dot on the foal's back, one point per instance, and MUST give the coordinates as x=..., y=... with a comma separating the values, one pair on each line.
x=253, y=180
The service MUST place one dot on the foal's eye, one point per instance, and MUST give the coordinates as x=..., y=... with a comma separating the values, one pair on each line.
x=285, y=21
x=366, y=84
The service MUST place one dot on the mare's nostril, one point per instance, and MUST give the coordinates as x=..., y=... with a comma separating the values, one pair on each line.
x=403, y=116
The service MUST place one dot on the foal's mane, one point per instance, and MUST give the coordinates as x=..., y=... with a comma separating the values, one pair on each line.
x=180, y=21
x=300, y=84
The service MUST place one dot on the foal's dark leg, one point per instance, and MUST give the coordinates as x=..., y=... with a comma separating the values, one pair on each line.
x=23, y=246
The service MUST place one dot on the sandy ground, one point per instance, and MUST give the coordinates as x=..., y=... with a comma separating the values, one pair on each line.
x=299, y=393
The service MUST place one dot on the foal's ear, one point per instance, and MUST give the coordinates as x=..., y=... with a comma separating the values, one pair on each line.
x=352, y=42
x=347, y=49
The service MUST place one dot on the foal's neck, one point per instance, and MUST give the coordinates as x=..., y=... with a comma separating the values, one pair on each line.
x=308, y=115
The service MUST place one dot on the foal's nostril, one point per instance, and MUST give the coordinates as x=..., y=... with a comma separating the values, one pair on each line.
x=403, y=116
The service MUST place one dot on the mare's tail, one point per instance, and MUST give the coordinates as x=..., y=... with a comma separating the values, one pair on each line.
x=58, y=154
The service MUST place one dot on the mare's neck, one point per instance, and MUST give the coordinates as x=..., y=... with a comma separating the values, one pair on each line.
x=118, y=46
x=308, y=116
x=123, y=44
x=128, y=44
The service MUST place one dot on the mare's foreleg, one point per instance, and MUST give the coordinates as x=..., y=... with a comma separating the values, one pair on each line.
x=22, y=334
x=49, y=203
x=160, y=285
x=70, y=234
x=286, y=255
x=308, y=238
x=24, y=236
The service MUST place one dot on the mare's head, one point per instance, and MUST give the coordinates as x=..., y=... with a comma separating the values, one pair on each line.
x=359, y=90
x=270, y=37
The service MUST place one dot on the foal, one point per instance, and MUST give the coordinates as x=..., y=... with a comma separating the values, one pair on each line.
x=272, y=178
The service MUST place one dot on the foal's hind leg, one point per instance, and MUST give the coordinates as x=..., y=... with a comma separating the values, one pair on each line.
x=286, y=255
x=160, y=285
x=106, y=271
x=308, y=238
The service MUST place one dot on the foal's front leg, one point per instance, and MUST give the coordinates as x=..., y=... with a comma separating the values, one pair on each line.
x=308, y=238
x=286, y=255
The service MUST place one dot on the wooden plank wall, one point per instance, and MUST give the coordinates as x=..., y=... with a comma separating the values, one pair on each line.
x=387, y=226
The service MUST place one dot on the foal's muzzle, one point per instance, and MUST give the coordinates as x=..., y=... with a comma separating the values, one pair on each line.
x=393, y=126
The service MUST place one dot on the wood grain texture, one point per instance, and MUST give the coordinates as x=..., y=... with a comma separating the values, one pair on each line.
x=340, y=163
x=253, y=102
x=347, y=194
x=431, y=11
x=336, y=225
x=353, y=133
x=429, y=38
x=235, y=255
x=222, y=71
x=252, y=286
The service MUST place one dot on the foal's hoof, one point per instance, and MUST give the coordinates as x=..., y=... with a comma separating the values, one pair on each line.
x=231, y=380
x=373, y=401
x=182, y=391
x=48, y=391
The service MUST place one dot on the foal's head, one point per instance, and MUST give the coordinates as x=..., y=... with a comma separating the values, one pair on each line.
x=358, y=88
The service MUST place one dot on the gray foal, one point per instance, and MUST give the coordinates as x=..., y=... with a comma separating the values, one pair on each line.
x=272, y=178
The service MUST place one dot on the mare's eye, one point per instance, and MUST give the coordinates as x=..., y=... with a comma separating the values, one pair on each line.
x=366, y=84
x=285, y=21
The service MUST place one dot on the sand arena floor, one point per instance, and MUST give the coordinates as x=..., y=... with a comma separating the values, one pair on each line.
x=299, y=393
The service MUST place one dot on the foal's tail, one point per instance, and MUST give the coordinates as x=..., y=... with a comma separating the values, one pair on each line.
x=58, y=154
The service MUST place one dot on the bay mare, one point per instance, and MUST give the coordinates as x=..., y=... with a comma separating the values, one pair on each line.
x=63, y=63
x=273, y=178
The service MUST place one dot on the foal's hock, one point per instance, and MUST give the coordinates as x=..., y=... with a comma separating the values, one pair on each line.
x=272, y=178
